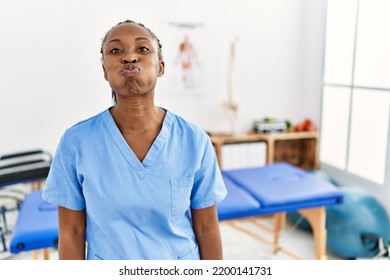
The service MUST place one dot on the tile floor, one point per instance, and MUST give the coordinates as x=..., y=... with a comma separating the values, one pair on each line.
x=295, y=242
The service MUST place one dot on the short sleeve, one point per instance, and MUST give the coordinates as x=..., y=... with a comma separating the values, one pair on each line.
x=209, y=187
x=62, y=186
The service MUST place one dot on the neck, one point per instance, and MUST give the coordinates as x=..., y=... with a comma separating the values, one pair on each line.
x=137, y=115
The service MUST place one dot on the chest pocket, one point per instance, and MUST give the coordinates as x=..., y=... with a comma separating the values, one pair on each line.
x=181, y=196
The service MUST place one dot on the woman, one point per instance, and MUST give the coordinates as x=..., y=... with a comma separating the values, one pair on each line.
x=135, y=181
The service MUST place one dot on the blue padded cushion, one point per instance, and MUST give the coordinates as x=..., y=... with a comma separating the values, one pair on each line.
x=238, y=203
x=36, y=226
x=284, y=187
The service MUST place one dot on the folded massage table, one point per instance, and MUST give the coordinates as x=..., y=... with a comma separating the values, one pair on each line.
x=24, y=167
x=274, y=190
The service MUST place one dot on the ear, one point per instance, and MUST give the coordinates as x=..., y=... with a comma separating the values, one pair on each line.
x=105, y=73
x=161, y=69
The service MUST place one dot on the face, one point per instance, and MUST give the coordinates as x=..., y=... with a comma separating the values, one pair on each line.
x=130, y=60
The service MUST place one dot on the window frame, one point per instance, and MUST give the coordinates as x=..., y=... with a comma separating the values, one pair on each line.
x=344, y=176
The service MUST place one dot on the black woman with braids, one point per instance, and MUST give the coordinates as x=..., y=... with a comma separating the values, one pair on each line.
x=135, y=181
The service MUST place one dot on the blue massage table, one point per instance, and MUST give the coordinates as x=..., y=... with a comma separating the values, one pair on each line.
x=275, y=189
x=36, y=226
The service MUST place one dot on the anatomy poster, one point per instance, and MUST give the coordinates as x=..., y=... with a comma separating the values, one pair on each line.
x=185, y=57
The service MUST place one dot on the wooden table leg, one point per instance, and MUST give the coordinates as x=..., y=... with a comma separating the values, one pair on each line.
x=270, y=151
x=279, y=224
x=35, y=254
x=46, y=253
x=317, y=220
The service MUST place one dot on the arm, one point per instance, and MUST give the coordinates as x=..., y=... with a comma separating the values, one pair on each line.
x=206, y=227
x=71, y=245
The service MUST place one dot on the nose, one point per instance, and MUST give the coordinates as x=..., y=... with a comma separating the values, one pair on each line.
x=130, y=60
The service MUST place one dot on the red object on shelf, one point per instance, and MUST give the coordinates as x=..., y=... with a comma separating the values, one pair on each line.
x=306, y=125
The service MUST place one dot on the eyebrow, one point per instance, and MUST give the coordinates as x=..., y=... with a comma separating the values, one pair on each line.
x=137, y=39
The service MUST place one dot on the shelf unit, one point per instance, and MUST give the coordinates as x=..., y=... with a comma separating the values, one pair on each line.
x=297, y=148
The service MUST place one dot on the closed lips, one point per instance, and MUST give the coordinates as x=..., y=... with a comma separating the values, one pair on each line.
x=131, y=70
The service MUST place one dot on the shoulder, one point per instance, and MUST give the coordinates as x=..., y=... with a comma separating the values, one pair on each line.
x=186, y=129
x=86, y=126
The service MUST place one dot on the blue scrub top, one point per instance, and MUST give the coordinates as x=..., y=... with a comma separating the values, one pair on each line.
x=136, y=210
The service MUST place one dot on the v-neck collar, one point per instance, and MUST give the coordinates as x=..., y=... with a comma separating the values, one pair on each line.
x=139, y=167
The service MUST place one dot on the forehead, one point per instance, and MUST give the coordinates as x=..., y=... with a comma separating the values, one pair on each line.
x=129, y=31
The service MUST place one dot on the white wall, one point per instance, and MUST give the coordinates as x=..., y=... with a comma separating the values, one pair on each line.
x=50, y=74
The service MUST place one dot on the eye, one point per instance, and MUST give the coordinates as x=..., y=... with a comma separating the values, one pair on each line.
x=115, y=50
x=143, y=49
